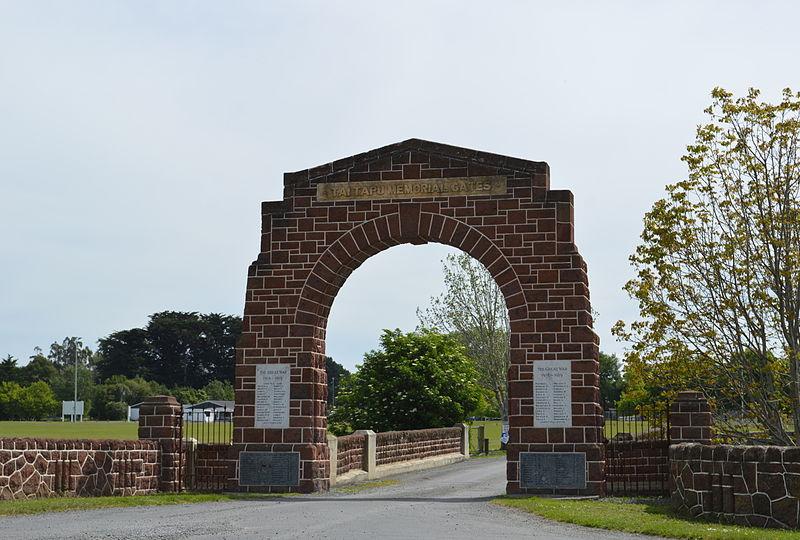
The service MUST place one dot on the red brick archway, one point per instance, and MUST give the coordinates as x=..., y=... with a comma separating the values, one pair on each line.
x=498, y=209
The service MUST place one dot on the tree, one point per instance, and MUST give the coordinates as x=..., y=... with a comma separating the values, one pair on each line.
x=127, y=352
x=416, y=380
x=219, y=390
x=9, y=400
x=63, y=354
x=9, y=371
x=336, y=373
x=39, y=368
x=32, y=402
x=718, y=271
x=611, y=382
x=474, y=311
x=36, y=401
x=175, y=348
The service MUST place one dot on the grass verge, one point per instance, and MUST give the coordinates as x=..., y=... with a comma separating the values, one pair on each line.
x=63, y=504
x=356, y=488
x=638, y=517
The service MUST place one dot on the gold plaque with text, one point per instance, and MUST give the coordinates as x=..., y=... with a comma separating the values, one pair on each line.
x=406, y=189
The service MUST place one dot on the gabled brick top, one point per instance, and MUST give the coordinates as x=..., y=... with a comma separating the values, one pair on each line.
x=436, y=156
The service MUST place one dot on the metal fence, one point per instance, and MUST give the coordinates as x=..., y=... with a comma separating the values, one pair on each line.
x=637, y=451
x=208, y=435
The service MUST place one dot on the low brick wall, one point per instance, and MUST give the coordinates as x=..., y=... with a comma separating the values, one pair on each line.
x=746, y=485
x=639, y=466
x=208, y=466
x=350, y=454
x=396, y=446
x=73, y=467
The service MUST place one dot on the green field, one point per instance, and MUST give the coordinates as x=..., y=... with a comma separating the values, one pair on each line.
x=71, y=430
x=492, y=431
x=205, y=433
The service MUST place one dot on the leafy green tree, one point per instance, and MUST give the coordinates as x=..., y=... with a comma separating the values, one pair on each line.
x=127, y=353
x=175, y=348
x=718, y=271
x=9, y=371
x=219, y=390
x=611, y=382
x=37, y=401
x=9, y=400
x=416, y=380
x=63, y=354
x=63, y=385
x=39, y=368
x=336, y=373
x=473, y=310
x=187, y=395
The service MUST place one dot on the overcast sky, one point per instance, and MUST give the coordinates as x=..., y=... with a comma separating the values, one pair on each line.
x=138, y=139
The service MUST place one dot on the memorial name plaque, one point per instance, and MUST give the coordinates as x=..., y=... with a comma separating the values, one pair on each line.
x=272, y=395
x=269, y=468
x=404, y=189
x=552, y=393
x=552, y=470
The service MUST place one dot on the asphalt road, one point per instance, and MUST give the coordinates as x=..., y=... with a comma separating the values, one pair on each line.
x=448, y=502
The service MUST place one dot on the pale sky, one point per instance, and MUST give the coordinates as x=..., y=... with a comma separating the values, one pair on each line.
x=138, y=139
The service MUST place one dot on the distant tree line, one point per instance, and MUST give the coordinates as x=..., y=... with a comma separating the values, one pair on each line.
x=188, y=355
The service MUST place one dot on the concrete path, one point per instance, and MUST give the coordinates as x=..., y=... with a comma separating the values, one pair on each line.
x=449, y=502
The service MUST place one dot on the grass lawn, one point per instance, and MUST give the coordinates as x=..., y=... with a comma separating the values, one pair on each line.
x=205, y=433
x=492, y=431
x=71, y=430
x=645, y=517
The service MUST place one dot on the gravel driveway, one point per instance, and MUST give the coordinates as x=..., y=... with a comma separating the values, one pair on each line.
x=449, y=502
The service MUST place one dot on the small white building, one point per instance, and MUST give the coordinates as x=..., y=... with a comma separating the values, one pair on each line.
x=209, y=411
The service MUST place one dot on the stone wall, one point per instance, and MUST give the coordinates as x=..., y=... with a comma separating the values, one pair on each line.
x=396, y=446
x=350, y=455
x=69, y=467
x=746, y=485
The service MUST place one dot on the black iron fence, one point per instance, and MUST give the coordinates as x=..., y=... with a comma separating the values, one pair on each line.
x=208, y=435
x=637, y=451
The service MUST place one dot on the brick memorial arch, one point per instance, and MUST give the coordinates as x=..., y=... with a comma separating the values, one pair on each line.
x=498, y=209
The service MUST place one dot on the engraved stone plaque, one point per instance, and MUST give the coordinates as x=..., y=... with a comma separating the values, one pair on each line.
x=272, y=395
x=269, y=468
x=552, y=470
x=552, y=393
x=406, y=189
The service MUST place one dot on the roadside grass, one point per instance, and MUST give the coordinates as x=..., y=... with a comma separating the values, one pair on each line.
x=643, y=517
x=64, y=504
x=357, y=488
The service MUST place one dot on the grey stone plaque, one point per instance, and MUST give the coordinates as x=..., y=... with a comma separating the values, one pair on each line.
x=272, y=395
x=269, y=468
x=552, y=393
x=552, y=470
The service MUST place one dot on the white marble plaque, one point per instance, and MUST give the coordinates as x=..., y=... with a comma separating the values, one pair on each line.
x=272, y=395
x=552, y=393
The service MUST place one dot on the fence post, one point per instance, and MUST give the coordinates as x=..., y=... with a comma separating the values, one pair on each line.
x=158, y=422
x=464, y=439
x=690, y=419
x=333, y=448
x=370, y=440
